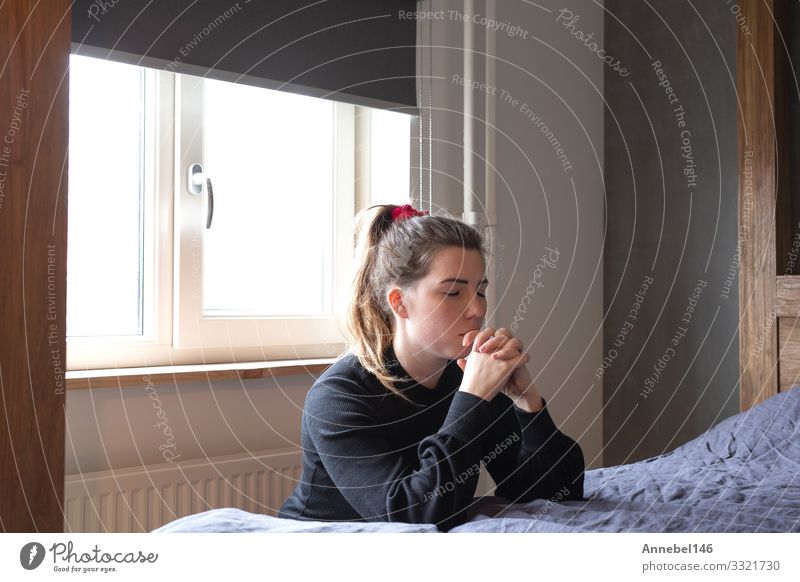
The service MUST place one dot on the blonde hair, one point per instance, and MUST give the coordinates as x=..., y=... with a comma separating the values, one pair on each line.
x=390, y=254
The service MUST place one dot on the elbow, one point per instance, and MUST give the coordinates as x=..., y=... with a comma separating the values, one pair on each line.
x=444, y=509
x=576, y=470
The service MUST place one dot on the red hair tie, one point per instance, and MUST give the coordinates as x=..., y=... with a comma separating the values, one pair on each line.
x=406, y=211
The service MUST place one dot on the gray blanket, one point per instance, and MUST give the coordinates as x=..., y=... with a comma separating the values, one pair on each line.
x=743, y=475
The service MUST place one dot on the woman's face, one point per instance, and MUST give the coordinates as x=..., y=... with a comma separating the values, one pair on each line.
x=445, y=304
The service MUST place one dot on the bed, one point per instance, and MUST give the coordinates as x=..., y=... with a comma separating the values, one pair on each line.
x=743, y=475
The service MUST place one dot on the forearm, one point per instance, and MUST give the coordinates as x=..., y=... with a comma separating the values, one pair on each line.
x=556, y=474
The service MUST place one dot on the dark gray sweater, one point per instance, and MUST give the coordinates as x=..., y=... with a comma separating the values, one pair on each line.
x=370, y=456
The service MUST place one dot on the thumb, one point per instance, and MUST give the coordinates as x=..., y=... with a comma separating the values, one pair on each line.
x=462, y=363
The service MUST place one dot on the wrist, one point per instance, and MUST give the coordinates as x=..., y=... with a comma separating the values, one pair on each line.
x=469, y=390
x=530, y=403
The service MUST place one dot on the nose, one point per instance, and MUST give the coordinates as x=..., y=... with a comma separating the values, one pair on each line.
x=476, y=308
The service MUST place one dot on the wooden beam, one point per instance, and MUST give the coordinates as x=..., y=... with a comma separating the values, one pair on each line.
x=35, y=38
x=758, y=158
x=787, y=302
x=789, y=336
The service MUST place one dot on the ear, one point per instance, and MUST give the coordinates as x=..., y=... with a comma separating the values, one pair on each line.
x=395, y=298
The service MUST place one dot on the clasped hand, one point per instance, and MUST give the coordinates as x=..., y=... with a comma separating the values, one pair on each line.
x=497, y=364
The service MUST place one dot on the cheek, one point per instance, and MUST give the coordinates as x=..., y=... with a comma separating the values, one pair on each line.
x=442, y=321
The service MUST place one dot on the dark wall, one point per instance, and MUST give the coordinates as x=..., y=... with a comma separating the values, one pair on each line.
x=671, y=365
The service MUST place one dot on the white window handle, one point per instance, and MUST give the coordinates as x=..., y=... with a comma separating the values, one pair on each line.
x=194, y=183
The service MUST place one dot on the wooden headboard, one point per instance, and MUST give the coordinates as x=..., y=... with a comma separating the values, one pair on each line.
x=769, y=253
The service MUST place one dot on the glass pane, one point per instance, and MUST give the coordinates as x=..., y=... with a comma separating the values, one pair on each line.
x=270, y=157
x=391, y=157
x=106, y=181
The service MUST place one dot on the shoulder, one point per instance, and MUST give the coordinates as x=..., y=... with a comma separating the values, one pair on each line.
x=345, y=384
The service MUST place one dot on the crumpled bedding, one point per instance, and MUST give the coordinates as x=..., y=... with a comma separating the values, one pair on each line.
x=742, y=475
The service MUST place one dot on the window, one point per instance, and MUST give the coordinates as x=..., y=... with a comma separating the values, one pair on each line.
x=212, y=222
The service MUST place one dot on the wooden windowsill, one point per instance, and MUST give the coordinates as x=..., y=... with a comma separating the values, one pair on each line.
x=120, y=377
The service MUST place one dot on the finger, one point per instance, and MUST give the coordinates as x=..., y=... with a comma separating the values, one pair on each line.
x=516, y=343
x=469, y=337
x=482, y=336
x=462, y=363
x=523, y=359
x=492, y=344
x=507, y=353
x=513, y=344
x=504, y=332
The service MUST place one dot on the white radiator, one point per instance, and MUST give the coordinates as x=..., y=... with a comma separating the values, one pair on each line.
x=144, y=498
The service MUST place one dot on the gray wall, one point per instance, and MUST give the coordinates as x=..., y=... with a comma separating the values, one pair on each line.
x=549, y=94
x=661, y=389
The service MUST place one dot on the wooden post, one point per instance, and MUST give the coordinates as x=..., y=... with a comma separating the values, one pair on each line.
x=35, y=38
x=762, y=185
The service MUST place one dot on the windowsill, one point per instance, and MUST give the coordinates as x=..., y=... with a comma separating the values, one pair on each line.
x=121, y=377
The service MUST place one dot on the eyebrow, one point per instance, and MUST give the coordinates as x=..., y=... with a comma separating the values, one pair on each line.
x=464, y=281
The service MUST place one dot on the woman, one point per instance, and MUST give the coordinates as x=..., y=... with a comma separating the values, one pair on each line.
x=396, y=429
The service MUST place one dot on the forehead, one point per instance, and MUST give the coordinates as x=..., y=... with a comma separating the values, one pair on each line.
x=457, y=262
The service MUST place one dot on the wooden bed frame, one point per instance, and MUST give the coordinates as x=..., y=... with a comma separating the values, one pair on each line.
x=769, y=292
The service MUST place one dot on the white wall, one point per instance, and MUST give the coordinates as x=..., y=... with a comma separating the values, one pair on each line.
x=113, y=428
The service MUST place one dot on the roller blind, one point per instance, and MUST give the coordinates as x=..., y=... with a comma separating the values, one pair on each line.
x=356, y=51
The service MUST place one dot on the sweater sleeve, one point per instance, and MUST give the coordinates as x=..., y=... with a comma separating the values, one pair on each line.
x=381, y=483
x=529, y=458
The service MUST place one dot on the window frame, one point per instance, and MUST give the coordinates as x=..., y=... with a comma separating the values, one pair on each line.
x=310, y=336
x=163, y=247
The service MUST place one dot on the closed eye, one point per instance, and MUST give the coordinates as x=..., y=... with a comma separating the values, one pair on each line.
x=456, y=293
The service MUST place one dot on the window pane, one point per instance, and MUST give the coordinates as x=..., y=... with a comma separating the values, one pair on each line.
x=391, y=157
x=270, y=156
x=106, y=182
